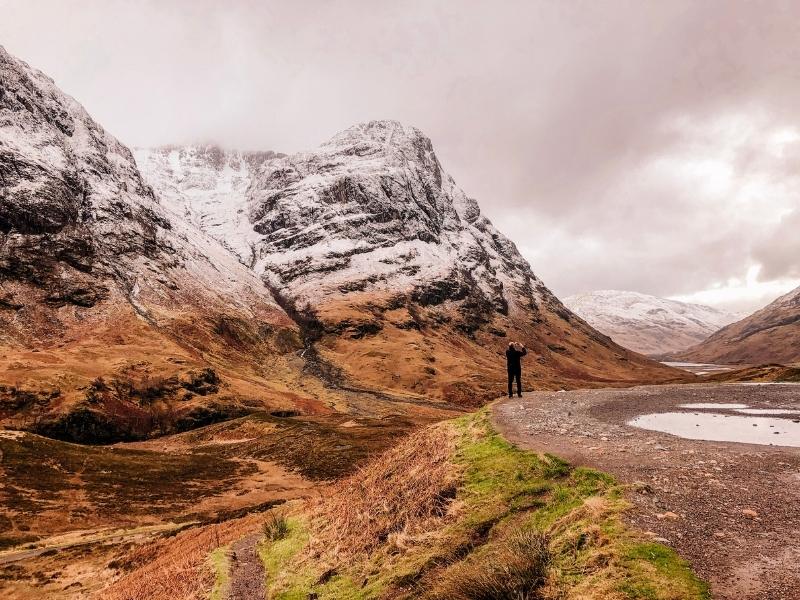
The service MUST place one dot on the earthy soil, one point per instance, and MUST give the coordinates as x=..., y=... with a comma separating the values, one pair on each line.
x=729, y=508
x=247, y=570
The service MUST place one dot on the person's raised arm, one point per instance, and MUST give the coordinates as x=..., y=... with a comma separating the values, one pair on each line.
x=524, y=351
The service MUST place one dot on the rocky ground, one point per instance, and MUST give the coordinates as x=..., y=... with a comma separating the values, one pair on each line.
x=729, y=508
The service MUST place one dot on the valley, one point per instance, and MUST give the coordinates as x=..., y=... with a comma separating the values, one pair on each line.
x=224, y=371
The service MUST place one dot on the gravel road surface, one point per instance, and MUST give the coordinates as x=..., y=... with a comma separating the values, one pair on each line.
x=731, y=509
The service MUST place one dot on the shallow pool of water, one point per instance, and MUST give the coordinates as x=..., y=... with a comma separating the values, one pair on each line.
x=717, y=427
x=717, y=405
x=767, y=411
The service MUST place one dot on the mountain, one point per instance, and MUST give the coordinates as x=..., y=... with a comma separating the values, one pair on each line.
x=770, y=335
x=648, y=324
x=356, y=278
x=388, y=266
x=116, y=319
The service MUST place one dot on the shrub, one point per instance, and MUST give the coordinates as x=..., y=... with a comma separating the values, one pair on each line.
x=276, y=526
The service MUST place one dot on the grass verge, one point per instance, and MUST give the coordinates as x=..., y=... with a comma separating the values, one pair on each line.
x=462, y=514
x=220, y=564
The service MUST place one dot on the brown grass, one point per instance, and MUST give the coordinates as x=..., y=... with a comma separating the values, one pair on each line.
x=514, y=570
x=400, y=493
x=176, y=568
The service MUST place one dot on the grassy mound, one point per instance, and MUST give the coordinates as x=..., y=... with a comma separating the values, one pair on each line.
x=457, y=512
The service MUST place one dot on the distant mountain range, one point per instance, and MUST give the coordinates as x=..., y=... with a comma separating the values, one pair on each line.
x=195, y=284
x=770, y=335
x=648, y=324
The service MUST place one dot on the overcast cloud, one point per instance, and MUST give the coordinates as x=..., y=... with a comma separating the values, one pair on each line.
x=650, y=146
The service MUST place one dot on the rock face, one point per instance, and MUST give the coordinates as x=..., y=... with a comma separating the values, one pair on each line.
x=373, y=211
x=385, y=262
x=101, y=281
x=66, y=185
x=770, y=335
x=648, y=324
x=77, y=219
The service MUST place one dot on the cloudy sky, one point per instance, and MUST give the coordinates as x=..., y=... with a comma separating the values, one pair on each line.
x=639, y=145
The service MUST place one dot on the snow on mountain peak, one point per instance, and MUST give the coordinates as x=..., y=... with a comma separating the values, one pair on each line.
x=645, y=323
x=370, y=209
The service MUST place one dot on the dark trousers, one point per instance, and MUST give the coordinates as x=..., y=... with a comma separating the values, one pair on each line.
x=514, y=374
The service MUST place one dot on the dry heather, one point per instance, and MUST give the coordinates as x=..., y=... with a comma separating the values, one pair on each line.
x=400, y=493
x=176, y=568
x=516, y=569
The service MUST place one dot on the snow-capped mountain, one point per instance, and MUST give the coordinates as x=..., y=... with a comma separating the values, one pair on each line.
x=645, y=323
x=78, y=222
x=369, y=211
x=369, y=237
x=214, y=282
x=770, y=335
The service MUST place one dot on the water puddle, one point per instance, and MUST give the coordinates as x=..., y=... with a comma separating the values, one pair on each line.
x=716, y=405
x=768, y=411
x=717, y=427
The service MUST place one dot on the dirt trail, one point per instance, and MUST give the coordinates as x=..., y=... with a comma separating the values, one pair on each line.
x=729, y=508
x=247, y=570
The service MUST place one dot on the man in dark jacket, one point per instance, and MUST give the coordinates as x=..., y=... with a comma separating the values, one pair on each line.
x=514, y=353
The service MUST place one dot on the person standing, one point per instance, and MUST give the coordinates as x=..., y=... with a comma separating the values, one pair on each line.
x=514, y=354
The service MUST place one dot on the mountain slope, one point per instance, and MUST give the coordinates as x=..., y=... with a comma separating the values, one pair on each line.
x=648, y=324
x=770, y=335
x=396, y=275
x=116, y=319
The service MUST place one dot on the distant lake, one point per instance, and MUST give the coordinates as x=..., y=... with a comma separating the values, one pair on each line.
x=700, y=368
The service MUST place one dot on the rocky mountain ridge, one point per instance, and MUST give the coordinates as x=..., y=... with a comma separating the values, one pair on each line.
x=370, y=211
x=354, y=278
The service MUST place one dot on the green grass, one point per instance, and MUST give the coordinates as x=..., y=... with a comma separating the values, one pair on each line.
x=220, y=563
x=276, y=554
x=503, y=490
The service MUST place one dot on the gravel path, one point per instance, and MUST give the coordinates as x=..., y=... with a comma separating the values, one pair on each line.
x=247, y=571
x=731, y=509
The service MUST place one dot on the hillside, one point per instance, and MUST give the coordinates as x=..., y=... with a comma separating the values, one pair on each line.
x=648, y=324
x=117, y=319
x=770, y=335
x=453, y=512
x=351, y=278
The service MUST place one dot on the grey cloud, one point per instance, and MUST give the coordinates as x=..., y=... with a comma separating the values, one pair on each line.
x=779, y=252
x=550, y=113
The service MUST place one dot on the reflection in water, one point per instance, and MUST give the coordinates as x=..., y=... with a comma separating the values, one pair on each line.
x=723, y=428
